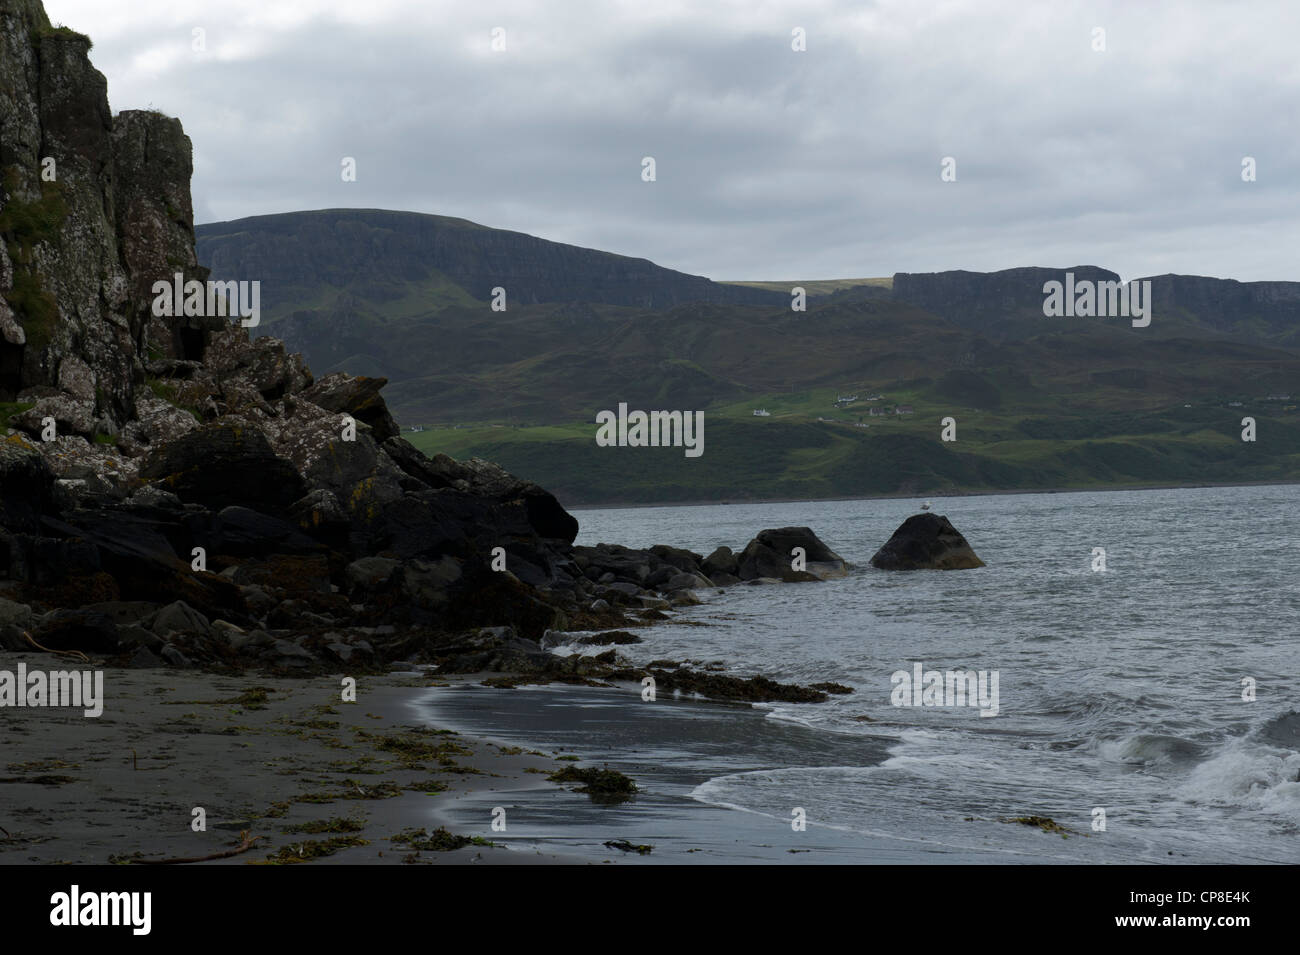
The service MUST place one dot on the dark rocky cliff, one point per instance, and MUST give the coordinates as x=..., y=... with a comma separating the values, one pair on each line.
x=979, y=300
x=341, y=247
x=94, y=209
x=1255, y=311
x=203, y=498
x=188, y=462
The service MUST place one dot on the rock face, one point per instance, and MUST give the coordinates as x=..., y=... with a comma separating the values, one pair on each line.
x=981, y=300
x=926, y=542
x=984, y=300
x=93, y=209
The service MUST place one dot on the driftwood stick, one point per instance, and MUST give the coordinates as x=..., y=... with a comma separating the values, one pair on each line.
x=245, y=844
x=62, y=653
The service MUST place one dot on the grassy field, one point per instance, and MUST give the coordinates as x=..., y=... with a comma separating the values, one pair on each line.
x=792, y=454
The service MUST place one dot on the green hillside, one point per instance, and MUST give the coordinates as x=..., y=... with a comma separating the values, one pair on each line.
x=1038, y=402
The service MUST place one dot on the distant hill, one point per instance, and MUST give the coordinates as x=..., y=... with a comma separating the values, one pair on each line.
x=1039, y=402
x=382, y=257
x=1011, y=301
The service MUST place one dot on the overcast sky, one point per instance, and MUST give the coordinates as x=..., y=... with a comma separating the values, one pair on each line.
x=770, y=163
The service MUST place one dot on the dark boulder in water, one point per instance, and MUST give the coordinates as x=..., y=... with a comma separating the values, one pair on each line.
x=772, y=554
x=926, y=542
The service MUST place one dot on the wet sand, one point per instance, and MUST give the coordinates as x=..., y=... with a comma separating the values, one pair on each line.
x=124, y=785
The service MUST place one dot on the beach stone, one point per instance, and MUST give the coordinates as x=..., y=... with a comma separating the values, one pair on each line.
x=144, y=659
x=685, y=598
x=426, y=584
x=179, y=617
x=371, y=573
x=926, y=542
x=257, y=599
x=125, y=612
x=688, y=562
x=618, y=637
x=151, y=495
x=174, y=656
x=654, y=603
x=13, y=614
x=290, y=654
x=260, y=638
x=82, y=630
x=721, y=561
x=554, y=638
x=599, y=606
x=134, y=635
x=687, y=582
x=11, y=638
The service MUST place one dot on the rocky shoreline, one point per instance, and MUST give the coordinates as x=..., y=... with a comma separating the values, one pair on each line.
x=176, y=496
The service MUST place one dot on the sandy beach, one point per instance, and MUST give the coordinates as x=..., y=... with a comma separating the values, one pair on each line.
x=311, y=779
x=283, y=760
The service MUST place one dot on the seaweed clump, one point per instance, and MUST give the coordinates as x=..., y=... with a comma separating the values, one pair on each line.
x=602, y=785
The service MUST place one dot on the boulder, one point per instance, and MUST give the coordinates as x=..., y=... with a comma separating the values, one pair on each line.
x=178, y=617
x=926, y=542
x=771, y=554
x=686, y=581
x=358, y=397
x=77, y=630
x=224, y=464
x=248, y=533
x=370, y=574
x=14, y=614
x=26, y=484
x=721, y=561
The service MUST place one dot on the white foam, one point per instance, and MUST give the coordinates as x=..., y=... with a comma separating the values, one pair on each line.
x=1251, y=775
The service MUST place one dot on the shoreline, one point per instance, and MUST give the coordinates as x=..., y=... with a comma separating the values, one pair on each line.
x=257, y=754
x=935, y=494
x=312, y=780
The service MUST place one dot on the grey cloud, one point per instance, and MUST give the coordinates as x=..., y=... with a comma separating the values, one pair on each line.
x=771, y=164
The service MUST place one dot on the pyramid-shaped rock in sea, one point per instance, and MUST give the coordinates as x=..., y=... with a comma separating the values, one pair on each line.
x=926, y=542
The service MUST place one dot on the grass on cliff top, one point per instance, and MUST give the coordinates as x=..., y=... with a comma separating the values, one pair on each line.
x=61, y=31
